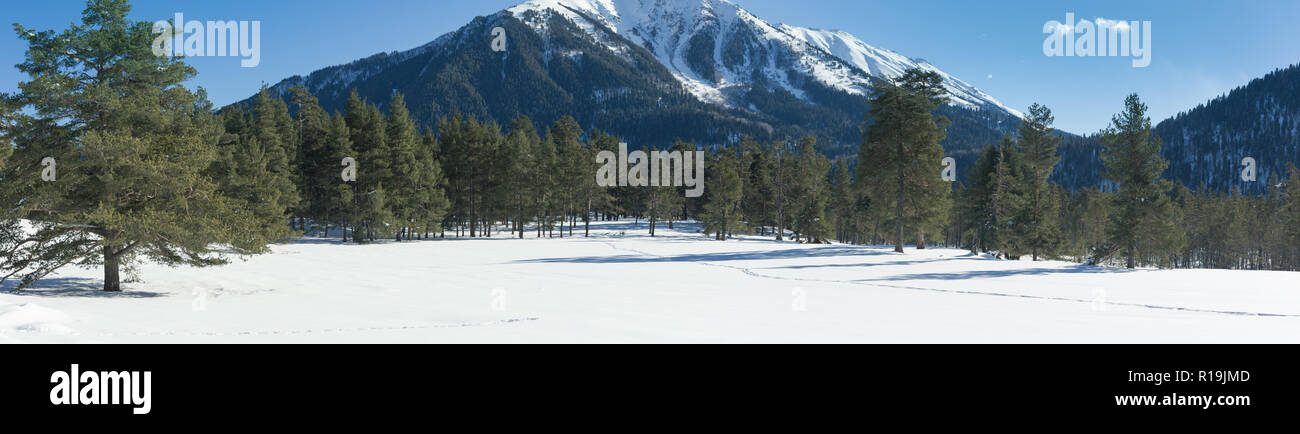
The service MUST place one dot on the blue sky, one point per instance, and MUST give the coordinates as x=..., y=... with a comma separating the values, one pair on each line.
x=1201, y=49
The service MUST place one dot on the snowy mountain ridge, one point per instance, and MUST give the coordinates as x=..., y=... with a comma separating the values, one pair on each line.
x=716, y=48
x=879, y=62
x=651, y=71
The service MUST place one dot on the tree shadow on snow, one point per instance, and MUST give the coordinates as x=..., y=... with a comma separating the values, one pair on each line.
x=861, y=264
x=817, y=252
x=989, y=274
x=72, y=287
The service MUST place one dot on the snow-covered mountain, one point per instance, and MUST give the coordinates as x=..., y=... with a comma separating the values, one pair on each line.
x=718, y=49
x=652, y=72
x=879, y=62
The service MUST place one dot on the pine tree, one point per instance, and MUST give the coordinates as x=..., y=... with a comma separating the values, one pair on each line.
x=485, y=141
x=722, y=215
x=573, y=167
x=842, y=201
x=6, y=125
x=1291, y=216
x=429, y=197
x=615, y=199
x=11, y=231
x=521, y=142
x=760, y=188
x=131, y=147
x=661, y=203
x=1144, y=221
x=1038, y=231
x=1091, y=219
x=544, y=175
x=690, y=207
x=900, y=156
x=316, y=168
x=341, y=204
x=989, y=207
x=403, y=143
x=367, y=131
x=813, y=196
x=244, y=171
x=785, y=187
x=591, y=196
x=275, y=131
x=1268, y=233
x=453, y=142
x=375, y=212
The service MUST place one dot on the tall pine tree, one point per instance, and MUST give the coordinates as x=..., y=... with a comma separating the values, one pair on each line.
x=900, y=157
x=316, y=168
x=403, y=146
x=132, y=148
x=988, y=208
x=813, y=193
x=1144, y=222
x=722, y=215
x=1036, y=223
x=341, y=202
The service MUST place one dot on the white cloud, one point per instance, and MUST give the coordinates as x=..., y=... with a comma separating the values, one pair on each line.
x=1057, y=27
x=1118, y=24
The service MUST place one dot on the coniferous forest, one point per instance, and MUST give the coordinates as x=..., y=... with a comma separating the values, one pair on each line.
x=109, y=160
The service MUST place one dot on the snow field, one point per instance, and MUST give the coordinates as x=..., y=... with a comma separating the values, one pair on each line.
x=621, y=286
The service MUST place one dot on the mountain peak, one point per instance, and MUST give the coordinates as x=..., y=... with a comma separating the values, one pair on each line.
x=651, y=72
x=717, y=49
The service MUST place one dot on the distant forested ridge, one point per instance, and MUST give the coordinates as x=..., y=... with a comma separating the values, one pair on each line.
x=1261, y=120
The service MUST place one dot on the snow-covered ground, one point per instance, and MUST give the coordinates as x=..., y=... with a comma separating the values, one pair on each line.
x=622, y=286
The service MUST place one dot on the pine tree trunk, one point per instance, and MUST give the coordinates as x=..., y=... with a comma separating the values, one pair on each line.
x=898, y=214
x=780, y=220
x=112, y=261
